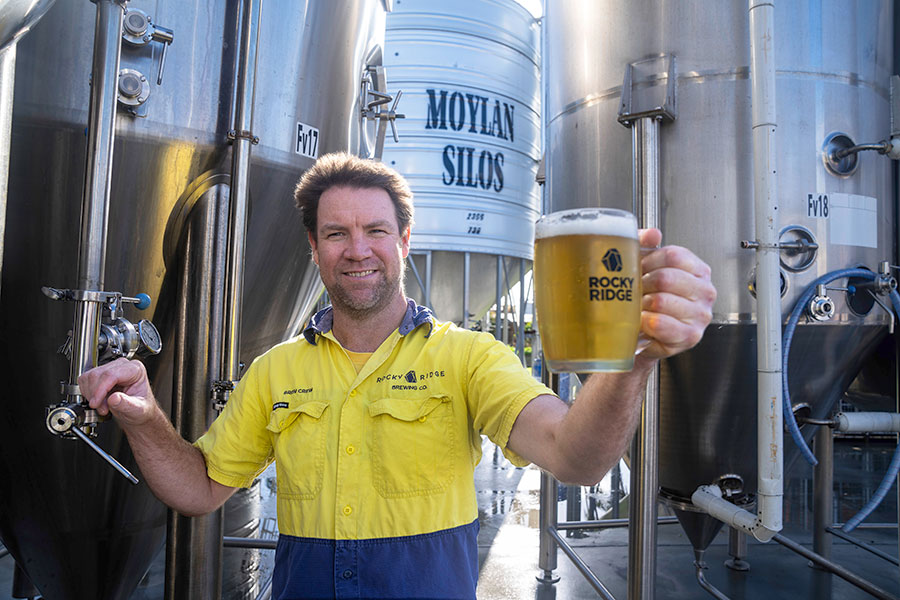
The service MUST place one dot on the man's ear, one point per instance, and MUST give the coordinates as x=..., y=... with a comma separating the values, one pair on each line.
x=312, y=244
x=404, y=242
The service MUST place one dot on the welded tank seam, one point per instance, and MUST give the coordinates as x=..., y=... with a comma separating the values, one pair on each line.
x=846, y=77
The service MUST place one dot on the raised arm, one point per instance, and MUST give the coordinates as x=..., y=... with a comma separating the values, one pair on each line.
x=174, y=470
x=580, y=444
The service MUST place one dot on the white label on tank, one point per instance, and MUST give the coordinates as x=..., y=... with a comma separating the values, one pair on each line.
x=307, y=141
x=853, y=219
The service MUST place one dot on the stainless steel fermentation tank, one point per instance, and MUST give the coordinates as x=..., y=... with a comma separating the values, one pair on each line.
x=469, y=145
x=78, y=528
x=833, y=64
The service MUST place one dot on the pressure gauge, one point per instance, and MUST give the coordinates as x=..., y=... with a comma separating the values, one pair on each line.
x=149, y=337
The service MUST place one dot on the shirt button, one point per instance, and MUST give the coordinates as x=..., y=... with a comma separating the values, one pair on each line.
x=348, y=511
x=352, y=393
x=350, y=449
x=347, y=574
x=423, y=419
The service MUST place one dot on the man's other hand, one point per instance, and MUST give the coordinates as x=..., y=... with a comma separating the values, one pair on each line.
x=678, y=296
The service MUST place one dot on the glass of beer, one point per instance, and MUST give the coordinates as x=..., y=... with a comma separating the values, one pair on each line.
x=587, y=281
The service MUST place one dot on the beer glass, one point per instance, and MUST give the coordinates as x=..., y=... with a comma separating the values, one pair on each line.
x=587, y=281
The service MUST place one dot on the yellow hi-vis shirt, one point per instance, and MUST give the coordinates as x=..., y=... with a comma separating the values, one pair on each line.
x=389, y=451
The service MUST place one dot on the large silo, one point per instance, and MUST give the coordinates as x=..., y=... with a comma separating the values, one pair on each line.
x=833, y=64
x=77, y=527
x=469, y=145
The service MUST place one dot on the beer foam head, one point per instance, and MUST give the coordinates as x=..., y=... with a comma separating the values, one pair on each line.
x=587, y=221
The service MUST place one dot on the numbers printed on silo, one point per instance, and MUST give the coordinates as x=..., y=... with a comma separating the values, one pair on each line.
x=817, y=206
x=307, y=141
x=475, y=216
x=474, y=230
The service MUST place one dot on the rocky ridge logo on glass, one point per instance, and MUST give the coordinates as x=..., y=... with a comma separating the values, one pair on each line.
x=613, y=288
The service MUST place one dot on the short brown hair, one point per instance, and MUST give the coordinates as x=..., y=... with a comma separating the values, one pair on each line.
x=341, y=169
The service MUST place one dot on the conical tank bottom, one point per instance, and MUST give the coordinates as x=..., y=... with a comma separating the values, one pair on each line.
x=700, y=528
x=708, y=399
x=78, y=532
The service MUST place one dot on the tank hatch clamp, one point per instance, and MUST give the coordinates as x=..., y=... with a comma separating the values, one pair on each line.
x=374, y=84
x=234, y=134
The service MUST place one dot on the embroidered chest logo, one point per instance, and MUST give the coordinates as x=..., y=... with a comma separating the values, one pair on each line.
x=414, y=381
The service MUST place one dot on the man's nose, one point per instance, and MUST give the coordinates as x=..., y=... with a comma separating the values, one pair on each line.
x=358, y=248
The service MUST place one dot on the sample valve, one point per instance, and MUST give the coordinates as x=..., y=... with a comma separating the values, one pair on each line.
x=821, y=307
x=100, y=334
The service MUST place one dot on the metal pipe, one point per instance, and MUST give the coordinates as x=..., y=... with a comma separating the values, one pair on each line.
x=101, y=138
x=770, y=452
x=85, y=333
x=823, y=491
x=245, y=89
x=871, y=525
x=868, y=422
x=415, y=272
x=582, y=566
x=548, y=506
x=609, y=523
x=520, y=335
x=101, y=129
x=254, y=543
x=428, y=257
x=645, y=448
x=466, y=270
x=548, y=523
x=498, y=321
x=7, y=84
x=193, y=545
x=838, y=570
x=616, y=483
x=863, y=545
x=737, y=550
x=882, y=147
x=700, y=566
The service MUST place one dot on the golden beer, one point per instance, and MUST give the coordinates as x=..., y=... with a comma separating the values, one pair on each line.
x=588, y=289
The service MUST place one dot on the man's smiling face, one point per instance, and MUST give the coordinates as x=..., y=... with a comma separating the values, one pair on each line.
x=359, y=249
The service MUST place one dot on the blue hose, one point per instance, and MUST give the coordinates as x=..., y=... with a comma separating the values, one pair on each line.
x=788, y=337
x=799, y=307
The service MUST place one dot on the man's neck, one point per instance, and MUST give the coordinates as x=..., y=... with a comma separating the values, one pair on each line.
x=367, y=333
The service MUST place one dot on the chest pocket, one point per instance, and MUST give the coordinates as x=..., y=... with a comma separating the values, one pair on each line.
x=298, y=436
x=413, y=445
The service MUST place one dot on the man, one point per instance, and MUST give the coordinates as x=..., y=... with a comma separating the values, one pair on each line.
x=374, y=415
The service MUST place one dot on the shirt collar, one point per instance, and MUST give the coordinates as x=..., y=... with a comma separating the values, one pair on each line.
x=416, y=315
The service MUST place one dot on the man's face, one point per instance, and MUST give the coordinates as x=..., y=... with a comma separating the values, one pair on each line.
x=359, y=249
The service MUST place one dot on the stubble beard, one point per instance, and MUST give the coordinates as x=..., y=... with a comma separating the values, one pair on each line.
x=380, y=298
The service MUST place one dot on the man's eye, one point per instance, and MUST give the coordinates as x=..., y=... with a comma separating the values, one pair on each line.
x=334, y=235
